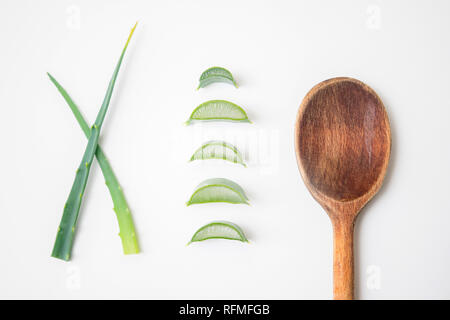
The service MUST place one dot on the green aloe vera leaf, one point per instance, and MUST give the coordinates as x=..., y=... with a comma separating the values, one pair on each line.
x=216, y=74
x=219, y=230
x=218, y=110
x=218, y=190
x=64, y=239
x=126, y=226
x=216, y=149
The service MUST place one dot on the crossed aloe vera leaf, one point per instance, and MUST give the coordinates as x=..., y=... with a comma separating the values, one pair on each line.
x=126, y=226
x=216, y=149
x=218, y=190
x=219, y=230
x=216, y=74
x=66, y=232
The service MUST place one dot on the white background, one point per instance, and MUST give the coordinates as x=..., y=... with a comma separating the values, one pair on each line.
x=277, y=50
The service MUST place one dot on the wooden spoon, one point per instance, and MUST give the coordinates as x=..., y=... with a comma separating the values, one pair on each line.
x=343, y=142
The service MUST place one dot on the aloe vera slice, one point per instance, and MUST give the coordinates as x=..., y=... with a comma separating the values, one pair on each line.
x=219, y=230
x=216, y=149
x=216, y=74
x=218, y=190
x=218, y=110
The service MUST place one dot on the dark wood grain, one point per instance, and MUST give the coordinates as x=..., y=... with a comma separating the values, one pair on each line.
x=342, y=141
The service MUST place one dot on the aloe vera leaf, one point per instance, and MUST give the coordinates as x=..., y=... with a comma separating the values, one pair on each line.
x=219, y=230
x=218, y=190
x=218, y=150
x=216, y=74
x=218, y=110
x=126, y=226
x=64, y=239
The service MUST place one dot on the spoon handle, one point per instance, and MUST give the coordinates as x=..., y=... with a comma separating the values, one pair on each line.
x=343, y=258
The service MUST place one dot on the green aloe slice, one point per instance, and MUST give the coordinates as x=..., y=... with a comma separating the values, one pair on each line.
x=216, y=149
x=219, y=230
x=218, y=190
x=218, y=110
x=216, y=74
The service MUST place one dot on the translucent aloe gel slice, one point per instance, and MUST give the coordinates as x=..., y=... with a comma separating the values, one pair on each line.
x=216, y=74
x=219, y=230
x=218, y=190
x=216, y=149
x=218, y=110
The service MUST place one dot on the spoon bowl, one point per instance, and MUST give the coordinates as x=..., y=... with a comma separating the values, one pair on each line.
x=342, y=142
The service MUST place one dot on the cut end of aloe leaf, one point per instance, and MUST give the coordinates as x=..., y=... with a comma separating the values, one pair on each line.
x=219, y=230
x=65, y=258
x=218, y=190
x=62, y=250
x=216, y=74
x=220, y=150
x=129, y=243
x=218, y=110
